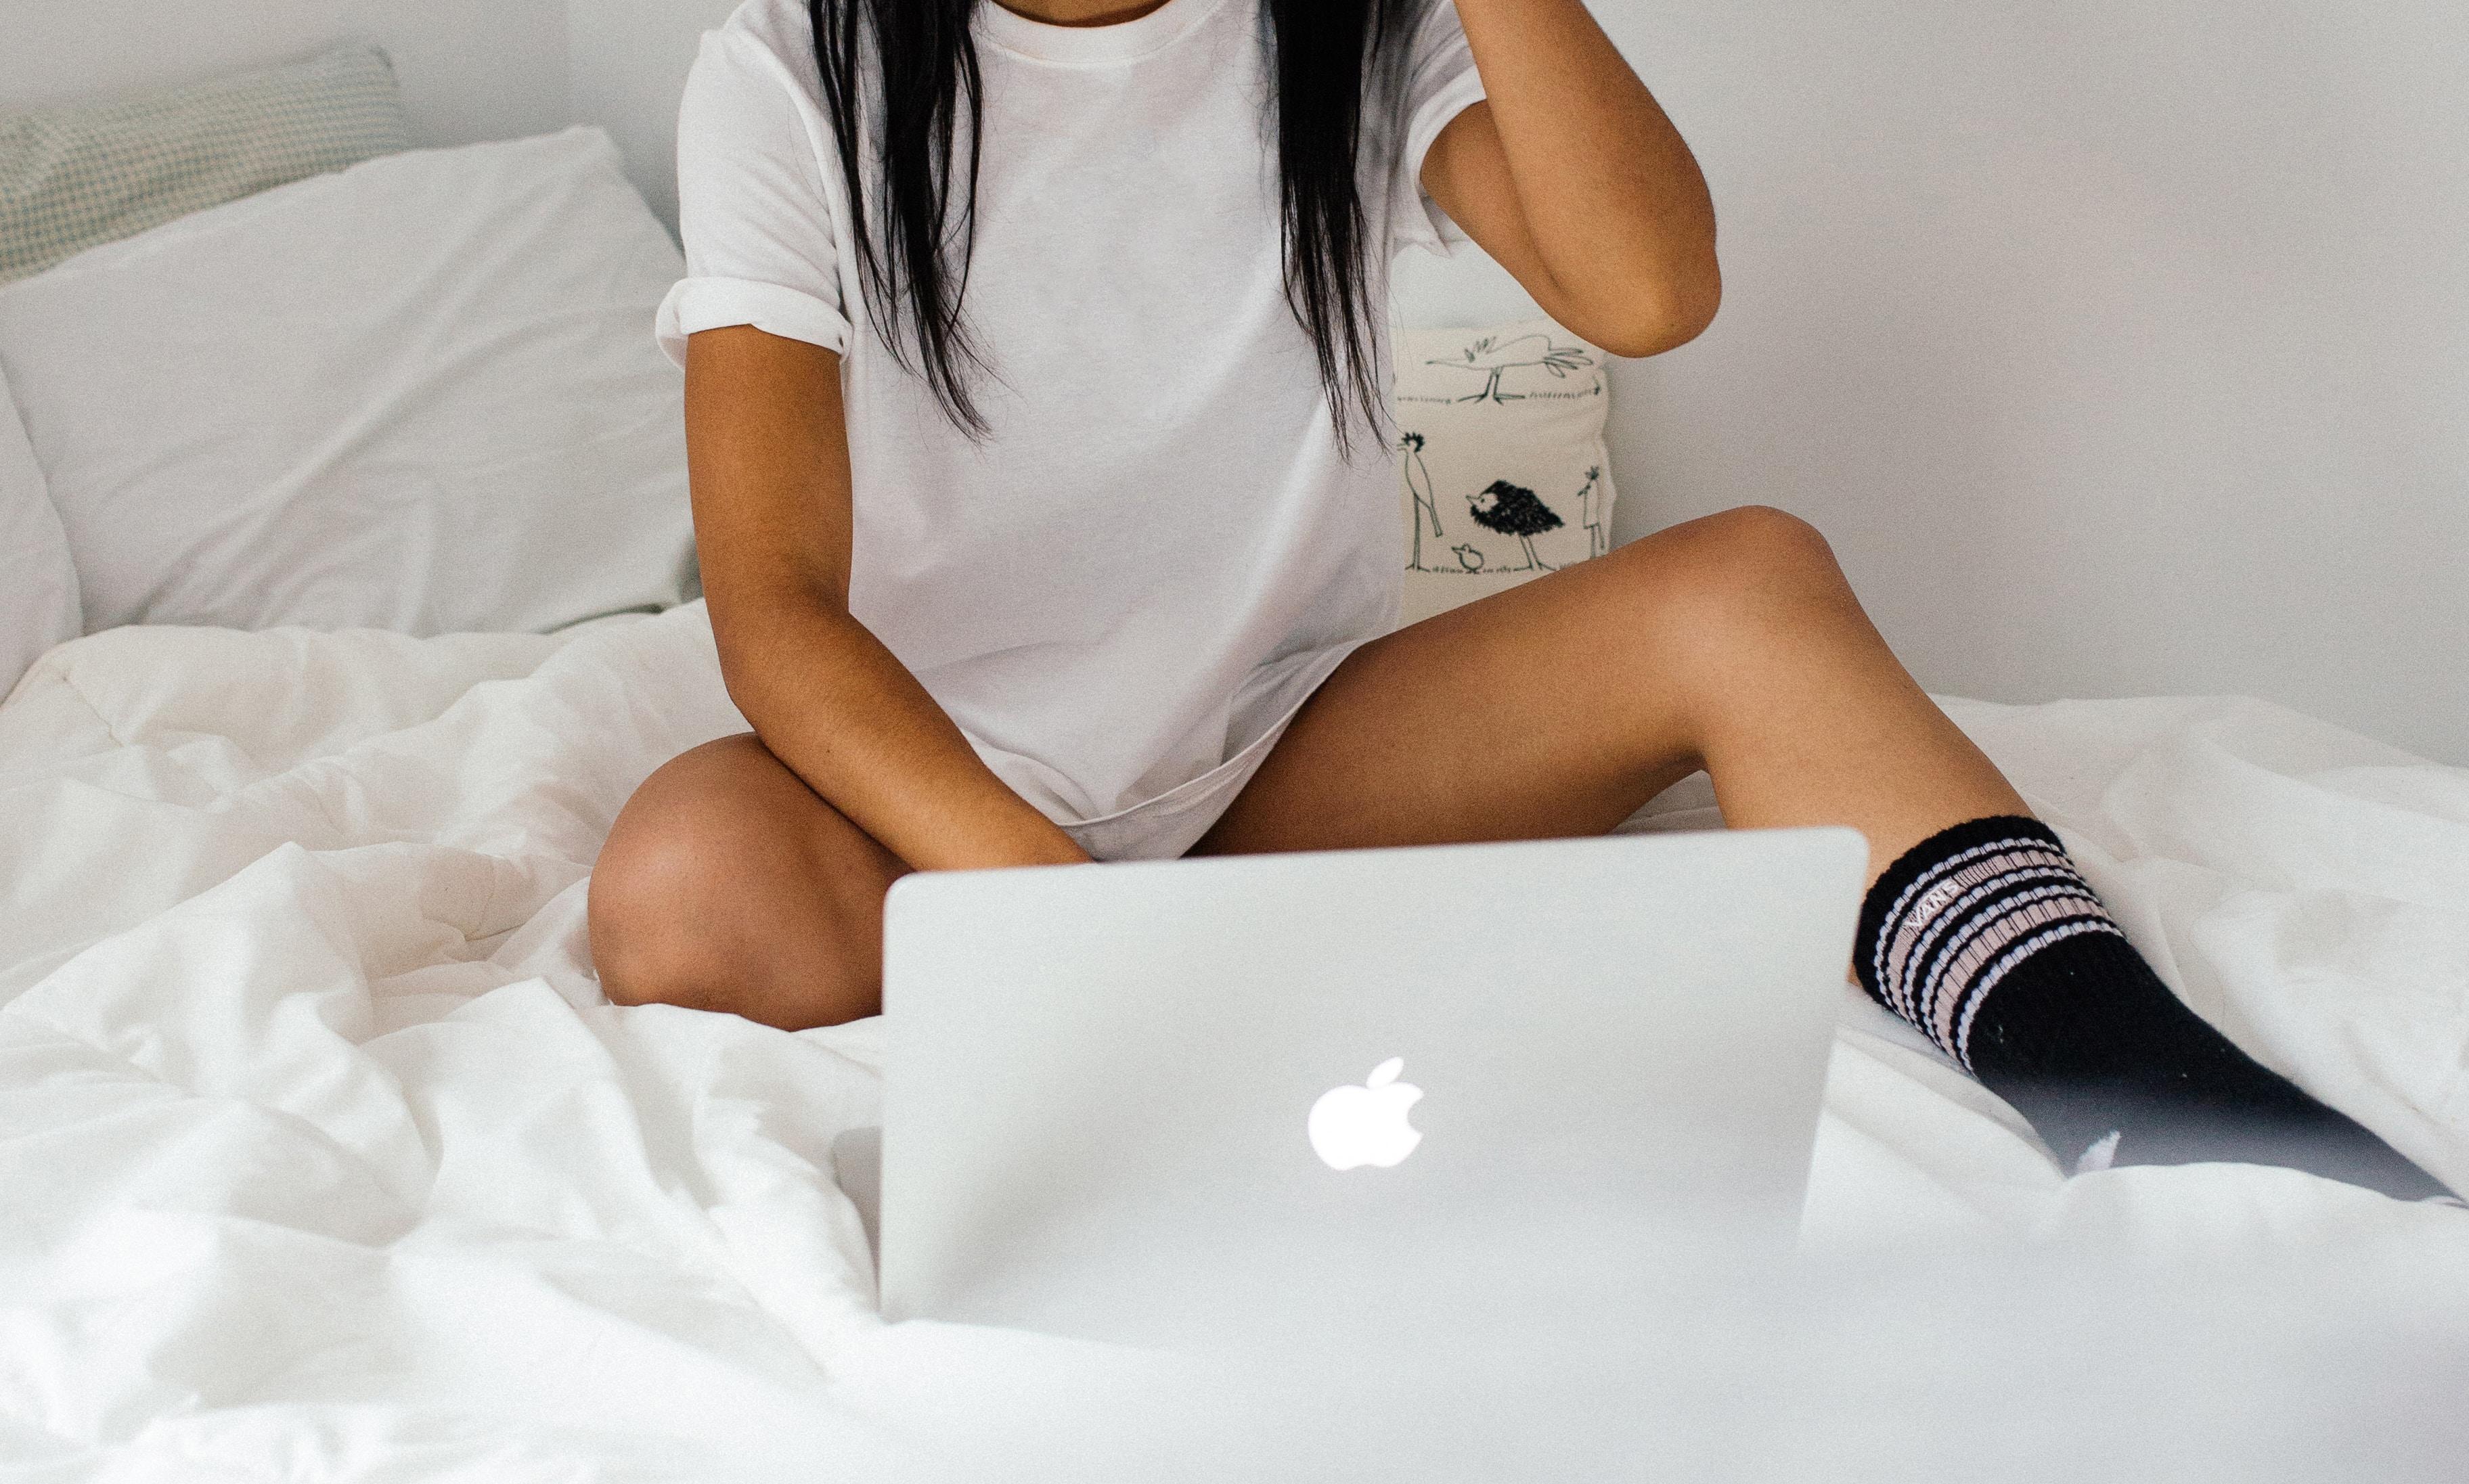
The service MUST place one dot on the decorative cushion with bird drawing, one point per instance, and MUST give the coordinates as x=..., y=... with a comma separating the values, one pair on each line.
x=1501, y=459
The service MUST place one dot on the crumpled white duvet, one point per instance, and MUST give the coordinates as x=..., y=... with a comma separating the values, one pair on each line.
x=321, y=1156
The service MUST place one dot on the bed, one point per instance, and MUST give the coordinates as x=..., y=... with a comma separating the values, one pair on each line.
x=324, y=1157
x=320, y=1142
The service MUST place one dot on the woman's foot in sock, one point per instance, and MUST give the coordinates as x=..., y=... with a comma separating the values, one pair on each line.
x=2092, y=1044
x=1987, y=938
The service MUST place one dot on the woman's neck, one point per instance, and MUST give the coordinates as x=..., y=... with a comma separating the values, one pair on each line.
x=1081, y=13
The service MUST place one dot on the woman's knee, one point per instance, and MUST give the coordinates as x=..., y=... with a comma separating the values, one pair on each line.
x=713, y=892
x=1708, y=600
x=1754, y=545
x=1748, y=568
x=654, y=888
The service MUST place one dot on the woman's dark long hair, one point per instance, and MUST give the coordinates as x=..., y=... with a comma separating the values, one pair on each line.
x=905, y=74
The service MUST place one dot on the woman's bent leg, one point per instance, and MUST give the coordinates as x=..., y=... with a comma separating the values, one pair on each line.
x=728, y=884
x=1734, y=644
x=1731, y=642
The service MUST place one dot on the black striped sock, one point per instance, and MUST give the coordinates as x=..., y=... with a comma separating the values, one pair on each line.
x=1987, y=938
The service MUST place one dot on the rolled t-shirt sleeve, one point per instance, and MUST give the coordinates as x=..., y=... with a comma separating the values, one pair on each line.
x=757, y=197
x=1441, y=83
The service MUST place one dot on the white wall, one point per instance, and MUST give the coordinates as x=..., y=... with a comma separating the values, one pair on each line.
x=627, y=62
x=2120, y=348
x=471, y=69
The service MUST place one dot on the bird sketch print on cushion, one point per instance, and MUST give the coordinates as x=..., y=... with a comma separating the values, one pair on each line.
x=1503, y=472
x=1499, y=359
x=1594, y=513
x=1419, y=485
x=1499, y=513
x=1513, y=510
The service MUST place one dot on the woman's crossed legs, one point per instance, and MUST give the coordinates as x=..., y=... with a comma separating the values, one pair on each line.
x=1555, y=709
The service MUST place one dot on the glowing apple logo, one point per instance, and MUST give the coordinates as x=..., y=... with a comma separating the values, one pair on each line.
x=1351, y=1127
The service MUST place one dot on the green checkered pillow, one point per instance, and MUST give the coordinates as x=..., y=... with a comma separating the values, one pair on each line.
x=75, y=178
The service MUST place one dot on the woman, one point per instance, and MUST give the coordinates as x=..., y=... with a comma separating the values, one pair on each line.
x=1034, y=355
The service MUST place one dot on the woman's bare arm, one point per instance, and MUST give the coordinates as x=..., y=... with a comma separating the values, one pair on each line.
x=767, y=445
x=1572, y=177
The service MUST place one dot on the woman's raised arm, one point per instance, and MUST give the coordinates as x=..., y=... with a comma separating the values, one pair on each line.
x=1573, y=178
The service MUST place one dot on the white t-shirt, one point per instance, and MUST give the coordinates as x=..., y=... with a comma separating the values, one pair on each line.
x=1122, y=592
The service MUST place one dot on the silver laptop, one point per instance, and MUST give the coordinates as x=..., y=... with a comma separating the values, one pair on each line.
x=1221, y=1103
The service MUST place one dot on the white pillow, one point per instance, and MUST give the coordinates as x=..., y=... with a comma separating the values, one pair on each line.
x=420, y=394
x=38, y=587
x=1504, y=471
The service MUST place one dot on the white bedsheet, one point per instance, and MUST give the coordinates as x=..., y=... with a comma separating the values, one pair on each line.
x=322, y=1157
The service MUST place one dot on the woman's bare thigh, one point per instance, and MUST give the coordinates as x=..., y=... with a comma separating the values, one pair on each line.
x=1511, y=718
x=1731, y=642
